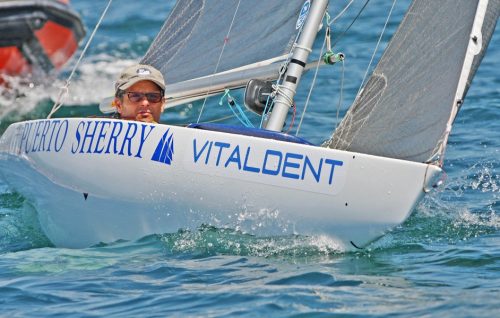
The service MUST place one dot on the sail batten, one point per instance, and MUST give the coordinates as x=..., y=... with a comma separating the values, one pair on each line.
x=408, y=105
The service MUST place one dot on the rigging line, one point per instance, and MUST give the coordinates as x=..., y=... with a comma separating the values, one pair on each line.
x=294, y=107
x=65, y=89
x=341, y=96
x=232, y=103
x=352, y=22
x=376, y=47
x=341, y=13
x=226, y=39
x=270, y=101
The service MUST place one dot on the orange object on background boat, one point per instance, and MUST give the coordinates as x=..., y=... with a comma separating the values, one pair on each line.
x=37, y=35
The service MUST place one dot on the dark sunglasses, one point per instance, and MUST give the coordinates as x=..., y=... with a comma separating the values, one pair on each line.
x=135, y=97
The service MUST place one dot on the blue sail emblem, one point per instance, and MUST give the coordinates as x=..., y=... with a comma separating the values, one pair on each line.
x=165, y=150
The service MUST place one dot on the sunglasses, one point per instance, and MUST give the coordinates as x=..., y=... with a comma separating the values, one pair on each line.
x=136, y=97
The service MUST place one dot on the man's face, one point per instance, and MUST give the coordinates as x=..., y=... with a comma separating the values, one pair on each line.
x=135, y=105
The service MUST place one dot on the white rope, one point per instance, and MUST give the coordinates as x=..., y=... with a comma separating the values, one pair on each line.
x=279, y=81
x=65, y=89
x=279, y=89
x=296, y=45
x=376, y=47
x=226, y=39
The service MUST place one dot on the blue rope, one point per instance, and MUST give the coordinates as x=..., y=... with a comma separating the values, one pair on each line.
x=231, y=102
x=269, y=103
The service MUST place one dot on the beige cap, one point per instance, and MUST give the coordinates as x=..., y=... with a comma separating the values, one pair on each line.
x=137, y=73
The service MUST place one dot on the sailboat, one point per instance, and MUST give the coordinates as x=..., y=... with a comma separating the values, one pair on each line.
x=96, y=180
x=37, y=37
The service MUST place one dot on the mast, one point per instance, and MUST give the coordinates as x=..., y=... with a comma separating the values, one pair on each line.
x=287, y=90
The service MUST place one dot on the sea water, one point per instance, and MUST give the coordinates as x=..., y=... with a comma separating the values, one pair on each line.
x=443, y=262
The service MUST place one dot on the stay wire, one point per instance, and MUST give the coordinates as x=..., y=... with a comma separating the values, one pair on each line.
x=352, y=22
x=341, y=13
x=65, y=89
x=376, y=47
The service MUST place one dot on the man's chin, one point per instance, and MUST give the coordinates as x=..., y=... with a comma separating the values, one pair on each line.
x=145, y=117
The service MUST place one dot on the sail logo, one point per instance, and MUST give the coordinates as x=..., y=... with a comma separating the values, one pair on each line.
x=303, y=14
x=165, y=149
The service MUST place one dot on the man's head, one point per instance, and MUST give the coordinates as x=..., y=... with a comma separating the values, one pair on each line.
x=139, y=93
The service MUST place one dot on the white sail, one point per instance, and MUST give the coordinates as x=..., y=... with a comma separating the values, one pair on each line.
x=408, y=106
x=202, y=38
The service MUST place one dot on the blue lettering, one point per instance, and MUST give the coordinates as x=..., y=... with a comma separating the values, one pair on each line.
x=143, y=138
x=196, y=154
x=221, y=145
x=316, y=173
x=128, y=138
x=25, y=136
x=208, y=152
x=55, y=122
x=114, y=136
x=246, y=167
x=274, y=162
x=57, y=149
x=279, y=156
x=101, y=136
x=74, y=150
x=333, y=163
x=289, y=164
x=234, y=157
x=37, y=134
x=41, y=145
x=88, y=135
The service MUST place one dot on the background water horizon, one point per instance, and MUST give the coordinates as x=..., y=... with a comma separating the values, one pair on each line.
x=444, y=261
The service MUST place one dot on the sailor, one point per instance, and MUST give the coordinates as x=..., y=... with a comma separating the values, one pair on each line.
x=140, y=94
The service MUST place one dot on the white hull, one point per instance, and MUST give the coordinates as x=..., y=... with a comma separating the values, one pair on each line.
x=98, y=180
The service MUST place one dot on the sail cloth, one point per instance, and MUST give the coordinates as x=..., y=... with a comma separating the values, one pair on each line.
x=406, y=109
x=201, y=38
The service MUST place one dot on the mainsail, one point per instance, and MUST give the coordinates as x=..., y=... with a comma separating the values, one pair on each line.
x=203, y=38
x=407, y=107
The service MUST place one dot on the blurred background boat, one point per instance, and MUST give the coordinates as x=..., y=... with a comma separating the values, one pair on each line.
x=37, y=37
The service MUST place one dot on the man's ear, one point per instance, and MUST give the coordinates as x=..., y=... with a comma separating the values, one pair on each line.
x=163, y=104
x=117, y=104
